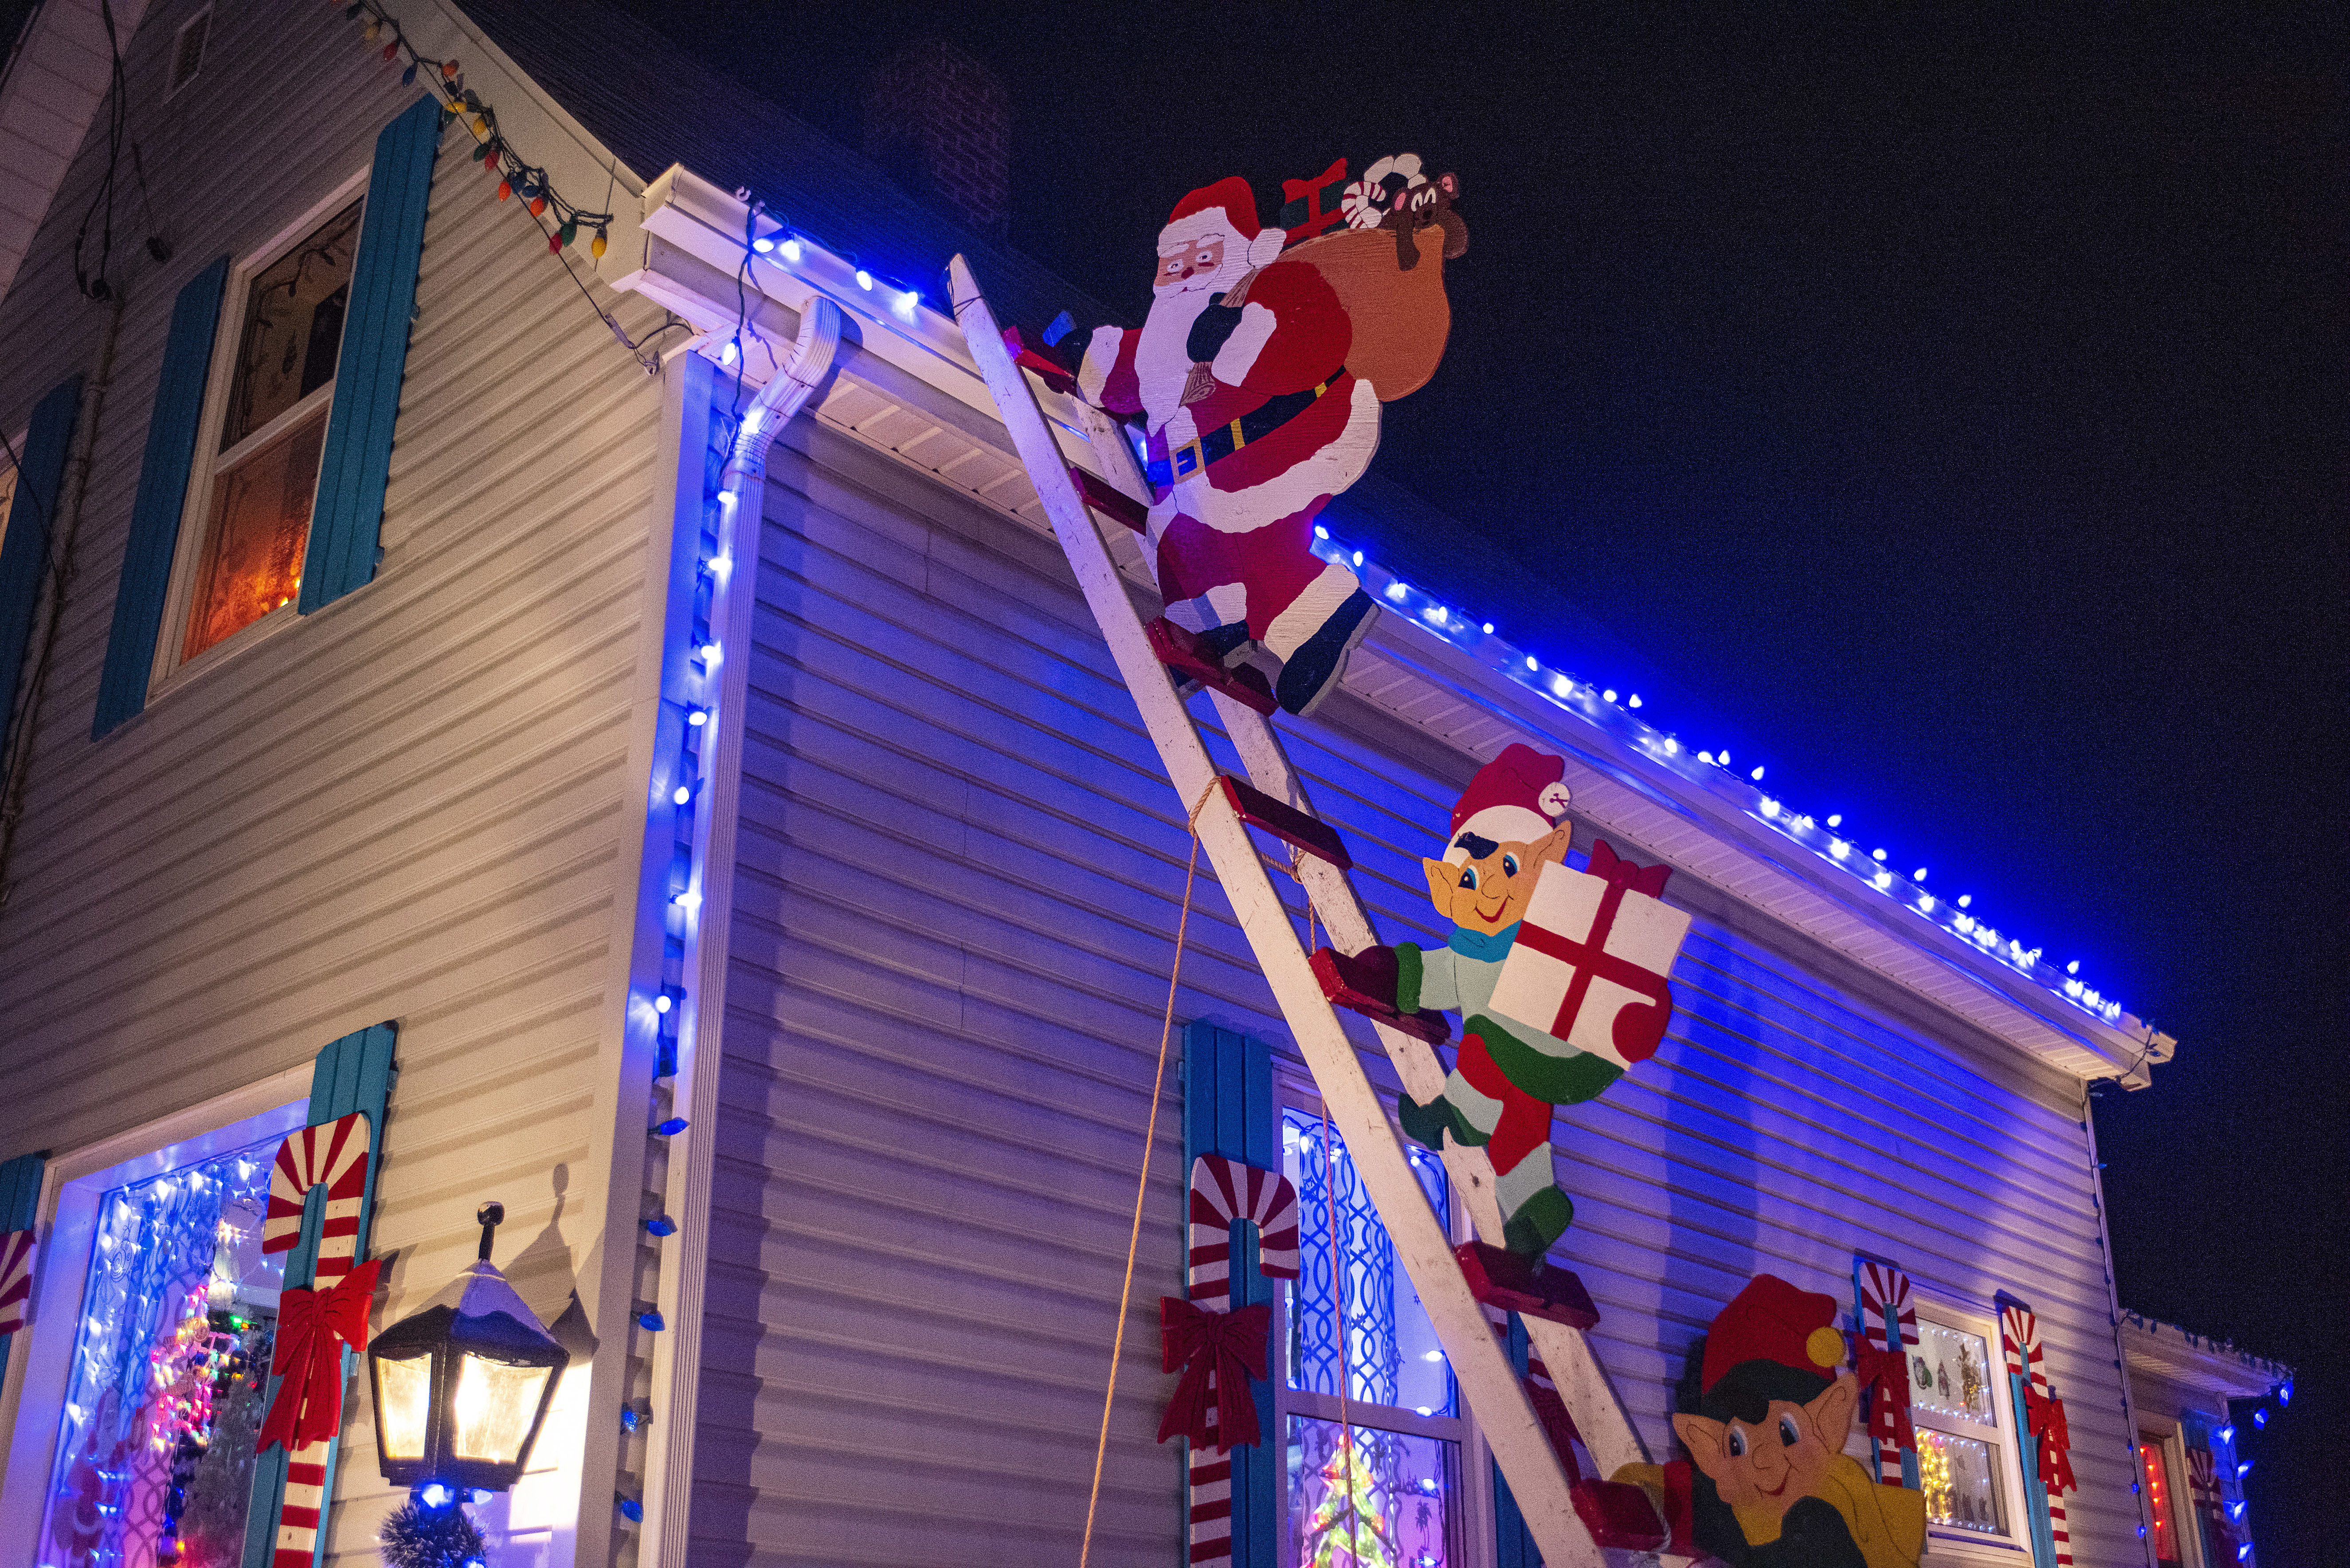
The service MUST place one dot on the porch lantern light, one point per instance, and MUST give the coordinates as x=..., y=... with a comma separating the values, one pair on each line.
x=463, y=1387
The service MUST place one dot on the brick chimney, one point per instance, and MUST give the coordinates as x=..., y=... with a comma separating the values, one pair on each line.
x=940, y=123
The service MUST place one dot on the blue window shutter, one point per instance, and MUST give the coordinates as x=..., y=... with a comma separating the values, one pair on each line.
x=1228, y=1109
x=20, y=1206
x=347, y=516
x=354, y=1074
x=2035, y=1496
x=161, y=500
x=25, y=553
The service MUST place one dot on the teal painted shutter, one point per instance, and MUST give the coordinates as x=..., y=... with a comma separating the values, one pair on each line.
x=1514, y=1545
x=1228, y=1109
x=2035, y=1496
x=348, y=513
x=354, y=1074
x=25, y=553
x=162, y=499
x=20, y=1206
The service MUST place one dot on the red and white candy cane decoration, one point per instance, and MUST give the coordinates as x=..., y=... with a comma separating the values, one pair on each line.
x=1884, y=1292
x=315, y=1325
x=2019, y=1342
x=1219, y=1349
x=2211, y=1506
x=15, y=1279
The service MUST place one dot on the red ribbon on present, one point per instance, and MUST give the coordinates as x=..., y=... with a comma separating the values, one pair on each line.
x=1639, y=1027
x=1223, y=1349
x=312, y=1329
x=1887, y=1372
x=2044, y=1414
x=1618, y=872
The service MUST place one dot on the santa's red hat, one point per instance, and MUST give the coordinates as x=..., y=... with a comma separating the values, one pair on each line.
x=1224, y=211
x=1516, y=798
x=1771, y=1320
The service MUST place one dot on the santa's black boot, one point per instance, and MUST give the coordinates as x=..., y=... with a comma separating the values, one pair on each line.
x=1312, y=672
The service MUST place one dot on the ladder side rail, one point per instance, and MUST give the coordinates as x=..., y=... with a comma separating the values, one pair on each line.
x=1582, y=1382
x=1505, y=1416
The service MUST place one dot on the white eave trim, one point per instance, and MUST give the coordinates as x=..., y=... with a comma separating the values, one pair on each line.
x=2196, y=1362
x=1705, y=828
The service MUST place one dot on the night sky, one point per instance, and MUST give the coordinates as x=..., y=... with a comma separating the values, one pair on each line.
x=1952, y=405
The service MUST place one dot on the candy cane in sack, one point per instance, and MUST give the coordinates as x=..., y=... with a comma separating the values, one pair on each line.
x=2019, y=1342
x=315, y=1325
x=1210, y=1343
x=1884, y=1292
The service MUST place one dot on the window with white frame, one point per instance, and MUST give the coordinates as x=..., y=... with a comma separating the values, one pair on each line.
x=1966, y=1450
x=149, y=1354
x=1351, y=1321
x=249, y=514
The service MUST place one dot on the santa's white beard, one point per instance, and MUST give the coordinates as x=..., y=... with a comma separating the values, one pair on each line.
x=1162, y=361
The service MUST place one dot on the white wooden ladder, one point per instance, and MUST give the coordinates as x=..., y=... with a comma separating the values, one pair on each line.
x=1505, y=1414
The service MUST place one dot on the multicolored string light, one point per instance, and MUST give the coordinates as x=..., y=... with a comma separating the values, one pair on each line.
x=516, y=177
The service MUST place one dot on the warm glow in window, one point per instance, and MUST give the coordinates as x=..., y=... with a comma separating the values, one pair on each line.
x=257, y=517
x=2159, y=1500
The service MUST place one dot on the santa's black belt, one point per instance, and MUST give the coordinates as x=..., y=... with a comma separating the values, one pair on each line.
x=1187, y=460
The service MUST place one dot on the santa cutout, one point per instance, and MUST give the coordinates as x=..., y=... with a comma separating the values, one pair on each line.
x=1253, y=420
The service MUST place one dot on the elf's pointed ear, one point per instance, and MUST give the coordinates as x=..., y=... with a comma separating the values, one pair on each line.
x=1553, y=845
x=1831, y=1410
x=1442, y=875
x=1702, y=1438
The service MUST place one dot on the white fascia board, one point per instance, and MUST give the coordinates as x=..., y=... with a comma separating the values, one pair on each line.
x=691, y=264
x=2196, y=1362
x=696, y=260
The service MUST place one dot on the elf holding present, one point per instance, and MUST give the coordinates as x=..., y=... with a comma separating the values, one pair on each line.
x=1593, y=1009
x=1765, y=1412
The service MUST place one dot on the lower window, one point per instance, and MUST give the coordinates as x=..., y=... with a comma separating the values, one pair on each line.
x=1966, y=1454
x=1374, y=1479
x=2161, y=1504
x=168, y=1362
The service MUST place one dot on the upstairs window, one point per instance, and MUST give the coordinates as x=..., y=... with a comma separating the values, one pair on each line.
x=255, y=519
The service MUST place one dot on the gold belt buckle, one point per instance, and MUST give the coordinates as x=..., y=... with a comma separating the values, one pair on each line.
x=1198, y=460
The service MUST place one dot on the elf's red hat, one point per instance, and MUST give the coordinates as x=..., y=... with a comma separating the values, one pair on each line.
x=1771, y=1320
x=1514, y=799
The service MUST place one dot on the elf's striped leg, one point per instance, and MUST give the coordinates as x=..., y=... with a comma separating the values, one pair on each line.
x=1534, y=1211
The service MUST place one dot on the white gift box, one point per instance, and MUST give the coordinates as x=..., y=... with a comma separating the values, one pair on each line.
x=1591, y=957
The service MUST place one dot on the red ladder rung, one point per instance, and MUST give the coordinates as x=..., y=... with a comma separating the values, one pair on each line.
x=1110, y=501
x=1179, y=649
x=1286, y=823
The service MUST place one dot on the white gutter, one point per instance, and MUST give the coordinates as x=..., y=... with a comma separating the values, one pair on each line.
x=677, y=1353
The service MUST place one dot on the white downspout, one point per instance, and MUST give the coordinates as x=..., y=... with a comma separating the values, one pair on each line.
x=677, y=1354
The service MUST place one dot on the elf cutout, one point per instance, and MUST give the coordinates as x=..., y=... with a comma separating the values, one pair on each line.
x=1257, y=379
x=1559, y=975
x=1764, y=1411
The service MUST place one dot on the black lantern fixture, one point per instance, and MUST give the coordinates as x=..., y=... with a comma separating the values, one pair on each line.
x=463, y=1387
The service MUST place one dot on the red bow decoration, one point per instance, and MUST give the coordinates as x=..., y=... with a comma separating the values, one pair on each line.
x=312, y=1329
x=2044, y=1412
x=1618, y=872
x=1225, y=1348
x=1887, y=1372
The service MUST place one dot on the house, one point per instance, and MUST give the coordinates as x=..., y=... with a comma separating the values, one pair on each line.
x=2198, y=1402
x=773, y=905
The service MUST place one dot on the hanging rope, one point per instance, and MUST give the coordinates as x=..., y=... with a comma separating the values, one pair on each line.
x=1339, y=1296
x=1142, y=1182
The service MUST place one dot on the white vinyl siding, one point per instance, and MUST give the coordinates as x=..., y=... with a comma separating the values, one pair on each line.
x=422, y=803
x=957, y=885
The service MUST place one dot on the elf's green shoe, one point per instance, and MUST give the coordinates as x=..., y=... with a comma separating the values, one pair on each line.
x=1540, y=1221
